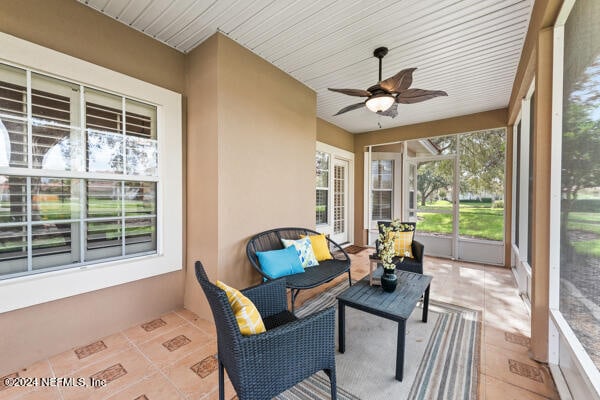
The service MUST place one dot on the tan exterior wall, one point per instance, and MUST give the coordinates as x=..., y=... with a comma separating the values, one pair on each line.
x=40, y=331
x=202, y=170
x=75, y=29
x=466, y=123
x=334, y=136
x=264, y=151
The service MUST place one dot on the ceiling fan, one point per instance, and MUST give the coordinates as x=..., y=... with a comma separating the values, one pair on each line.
x=383, y=98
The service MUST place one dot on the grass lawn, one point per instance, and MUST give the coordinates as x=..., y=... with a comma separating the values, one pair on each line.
x=476, y=220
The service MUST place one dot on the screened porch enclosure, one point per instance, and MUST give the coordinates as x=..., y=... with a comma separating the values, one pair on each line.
x=452, y=186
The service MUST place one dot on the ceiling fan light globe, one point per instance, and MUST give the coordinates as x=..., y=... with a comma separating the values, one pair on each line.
x=380, y=103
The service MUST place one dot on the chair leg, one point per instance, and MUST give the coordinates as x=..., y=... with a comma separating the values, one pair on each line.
x=221, y=381
x=331, y=374
x=349, y=278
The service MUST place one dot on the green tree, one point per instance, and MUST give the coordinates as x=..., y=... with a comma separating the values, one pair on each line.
x=432, y=176
x=482, y=162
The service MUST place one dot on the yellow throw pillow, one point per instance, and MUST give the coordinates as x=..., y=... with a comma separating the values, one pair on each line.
x=320, y=247
x=403, y=243
x=246, y=314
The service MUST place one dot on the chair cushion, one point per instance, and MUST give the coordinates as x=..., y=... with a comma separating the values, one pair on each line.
x=246, y=314
x=408, y=264
x=326, y=271
x=279, y=319
x=278, y=263
x=304, y=249
x=320, y=247
x=403, y=243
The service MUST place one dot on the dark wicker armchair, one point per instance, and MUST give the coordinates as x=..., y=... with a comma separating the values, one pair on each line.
x=264, y=365
x=414, y=264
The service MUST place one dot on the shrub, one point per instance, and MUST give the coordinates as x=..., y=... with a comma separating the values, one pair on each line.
x=498, y=204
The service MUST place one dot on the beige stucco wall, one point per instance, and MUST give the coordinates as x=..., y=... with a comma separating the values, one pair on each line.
x=465, y=123
x=334, y=136
x=40, y=331
x=262, y=164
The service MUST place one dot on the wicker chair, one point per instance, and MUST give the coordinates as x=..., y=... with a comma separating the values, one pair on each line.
x=414, y=264
x=264, y=365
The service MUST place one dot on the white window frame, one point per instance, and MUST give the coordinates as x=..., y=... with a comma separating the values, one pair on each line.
x=39, y=288
x=585, y=376
x=328, y=188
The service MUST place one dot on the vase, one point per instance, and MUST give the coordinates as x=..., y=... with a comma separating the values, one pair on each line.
x=389, y=280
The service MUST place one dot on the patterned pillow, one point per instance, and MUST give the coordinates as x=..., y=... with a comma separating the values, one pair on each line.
x=246, y=314
x=403, y=243
x=304, y=249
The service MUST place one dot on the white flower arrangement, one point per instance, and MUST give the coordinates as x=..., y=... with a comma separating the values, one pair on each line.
x=386, y=248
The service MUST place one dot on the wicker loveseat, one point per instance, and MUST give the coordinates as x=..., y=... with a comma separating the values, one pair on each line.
x=313, y=276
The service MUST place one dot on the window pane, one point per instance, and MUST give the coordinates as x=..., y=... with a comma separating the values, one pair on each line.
x=13, y=199
x=322, y=206
x=580, y=180
x=103, y=239
x=382, y=174
x=54, y=199
x=13, y=91
x=140, y=119
x=13, y=143
x=140, y=235
x=382, y=205
x=13, y=249
x=55, y=122
x=55, y=245
x=443, y=145
x=104, y=152
x=103, y=199
x=140, y=198
x=322, y=169
x=142, y=156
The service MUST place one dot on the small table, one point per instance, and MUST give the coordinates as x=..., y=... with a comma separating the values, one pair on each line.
x=396, y=306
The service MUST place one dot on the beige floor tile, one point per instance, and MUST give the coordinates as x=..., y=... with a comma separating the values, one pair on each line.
x=517, y=369
x=118, y=371
x=496, y=389
x=46, y=393
x=80, y=357
x=38, y=370
x=153, y=387
x=151, y=329
x=203, y=324
x=196, y=375
x=229, y=392
x=511, y=340
x=172, y=346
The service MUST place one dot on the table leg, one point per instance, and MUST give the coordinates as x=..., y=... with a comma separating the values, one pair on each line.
x=426, y=304
x=400, y=350
x=341, y=327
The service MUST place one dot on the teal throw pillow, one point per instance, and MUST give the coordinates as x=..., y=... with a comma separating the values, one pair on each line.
x=304, y=249
x=278, y=263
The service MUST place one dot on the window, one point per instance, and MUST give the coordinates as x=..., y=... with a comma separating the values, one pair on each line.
x=84, y=202
x=382, y=187
x=530, y=183
x=51, y=218
x=322, y=183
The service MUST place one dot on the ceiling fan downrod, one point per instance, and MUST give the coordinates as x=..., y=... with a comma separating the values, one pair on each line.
x=380, y=52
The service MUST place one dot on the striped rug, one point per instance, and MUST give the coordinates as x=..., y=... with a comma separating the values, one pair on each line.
x=441, y=357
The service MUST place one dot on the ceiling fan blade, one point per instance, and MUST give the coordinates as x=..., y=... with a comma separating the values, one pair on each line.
x=390, y=112
x=350, y=108
x=399, y=82
x=411, y=96
x=352, y=92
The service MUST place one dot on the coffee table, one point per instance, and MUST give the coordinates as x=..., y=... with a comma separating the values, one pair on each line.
x=396, y=306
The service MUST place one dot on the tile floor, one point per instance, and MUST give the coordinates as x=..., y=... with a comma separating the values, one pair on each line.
x=172, y=356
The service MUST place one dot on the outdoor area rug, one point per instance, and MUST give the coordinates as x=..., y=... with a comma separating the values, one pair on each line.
x=441, y=358
x=353, y=249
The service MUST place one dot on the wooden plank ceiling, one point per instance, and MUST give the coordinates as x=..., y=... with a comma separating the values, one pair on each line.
x=469, y=48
